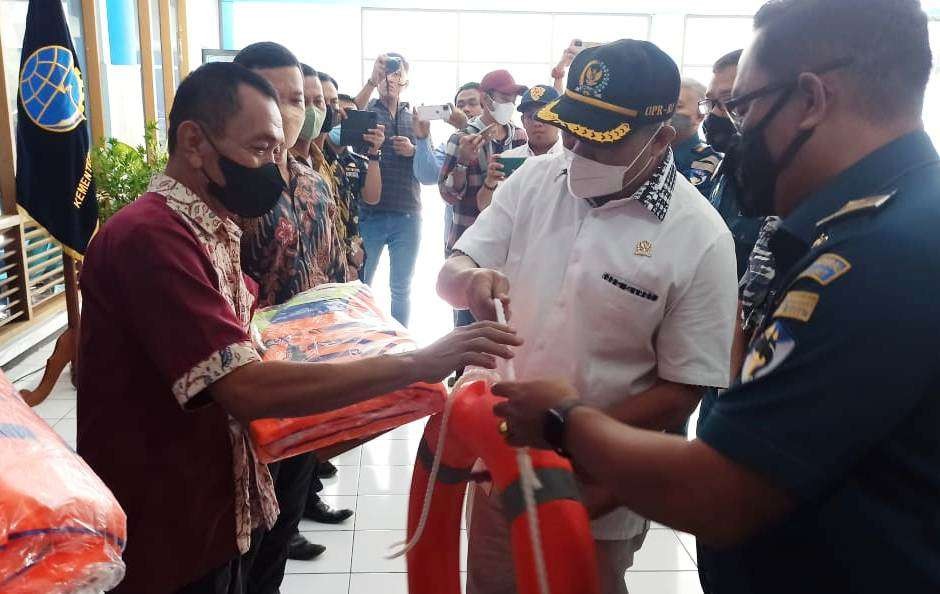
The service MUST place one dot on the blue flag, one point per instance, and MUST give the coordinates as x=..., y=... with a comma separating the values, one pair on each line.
x=54, y=183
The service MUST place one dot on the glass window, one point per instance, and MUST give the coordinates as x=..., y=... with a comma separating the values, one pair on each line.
x=158, y=69
x=175, y=37
x=528, y=37
x=418, y=34
x=709, y=38
x=596, y=28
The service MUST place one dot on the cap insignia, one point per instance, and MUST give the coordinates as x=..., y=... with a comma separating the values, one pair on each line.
x=594, y=79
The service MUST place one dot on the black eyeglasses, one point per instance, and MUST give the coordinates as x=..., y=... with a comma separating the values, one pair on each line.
x=737, y=107
x=706, y=106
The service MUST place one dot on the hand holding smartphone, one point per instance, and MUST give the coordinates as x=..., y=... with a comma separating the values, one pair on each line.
x=510, y=164
x=434, y=112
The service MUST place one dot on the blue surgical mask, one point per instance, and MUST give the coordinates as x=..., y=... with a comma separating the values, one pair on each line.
x=335, y=135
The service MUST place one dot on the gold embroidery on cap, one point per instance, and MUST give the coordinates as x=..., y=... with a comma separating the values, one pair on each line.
x=644, y=248
x=550, y=117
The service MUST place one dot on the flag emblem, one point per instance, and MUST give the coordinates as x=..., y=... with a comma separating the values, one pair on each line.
x=51, y=89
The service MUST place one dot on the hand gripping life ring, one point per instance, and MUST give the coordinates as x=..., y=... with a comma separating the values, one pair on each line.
x=567, y=543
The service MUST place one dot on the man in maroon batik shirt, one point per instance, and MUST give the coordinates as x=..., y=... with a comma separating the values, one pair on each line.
x=169, y=379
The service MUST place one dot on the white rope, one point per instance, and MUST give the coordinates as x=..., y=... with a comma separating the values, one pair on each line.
x=429, y=493
x=528, y=481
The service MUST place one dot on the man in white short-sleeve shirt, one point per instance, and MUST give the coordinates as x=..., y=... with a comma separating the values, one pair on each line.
x=621, y=276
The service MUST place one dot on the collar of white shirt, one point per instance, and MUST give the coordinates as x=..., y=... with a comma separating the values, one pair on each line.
x=656, y=193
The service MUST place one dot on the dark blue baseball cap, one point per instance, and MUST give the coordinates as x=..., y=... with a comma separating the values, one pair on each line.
x=614, y=89
x=539, y=95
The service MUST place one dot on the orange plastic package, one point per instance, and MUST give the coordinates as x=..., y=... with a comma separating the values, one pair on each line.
x=336, y=322
x=61, y=529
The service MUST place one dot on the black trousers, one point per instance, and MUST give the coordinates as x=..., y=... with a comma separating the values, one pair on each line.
x=230, y=578
x=267, y=558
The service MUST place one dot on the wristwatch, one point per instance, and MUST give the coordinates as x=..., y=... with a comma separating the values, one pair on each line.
x=556, y=419
x=375, y=157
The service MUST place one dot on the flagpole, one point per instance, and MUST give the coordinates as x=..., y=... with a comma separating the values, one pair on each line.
x=73, y=309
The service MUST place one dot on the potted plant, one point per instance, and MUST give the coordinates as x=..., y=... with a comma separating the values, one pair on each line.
x=122, y=172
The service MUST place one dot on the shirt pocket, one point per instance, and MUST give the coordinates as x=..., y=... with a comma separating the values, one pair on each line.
x=622, y=305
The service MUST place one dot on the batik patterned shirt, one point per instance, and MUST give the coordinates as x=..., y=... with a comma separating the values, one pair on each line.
x=294, y=247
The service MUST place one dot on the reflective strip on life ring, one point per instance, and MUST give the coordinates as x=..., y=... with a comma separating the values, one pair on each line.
x=566, y=540
x=557, y=483
x=448, y=475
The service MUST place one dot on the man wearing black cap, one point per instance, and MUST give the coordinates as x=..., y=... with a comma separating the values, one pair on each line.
x=468, y=155
x=817, y=472
x=621, y=276
x=543, y=140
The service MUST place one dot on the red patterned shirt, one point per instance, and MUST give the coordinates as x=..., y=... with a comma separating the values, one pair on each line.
x=165, y=315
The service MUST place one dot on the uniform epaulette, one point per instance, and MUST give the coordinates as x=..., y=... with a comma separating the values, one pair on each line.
x=709, y=163
x=854, y=207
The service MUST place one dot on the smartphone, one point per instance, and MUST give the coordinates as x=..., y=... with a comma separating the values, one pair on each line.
x=587, y=44
x=434, y=112
x=510, y=164
x=357, y=123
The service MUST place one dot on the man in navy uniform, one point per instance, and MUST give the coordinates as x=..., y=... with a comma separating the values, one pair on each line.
x=817, y=471
x=695, y=159
x=721, y=135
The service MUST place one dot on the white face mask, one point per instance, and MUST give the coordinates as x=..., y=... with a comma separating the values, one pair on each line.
x=589, y=179
x=502, y=112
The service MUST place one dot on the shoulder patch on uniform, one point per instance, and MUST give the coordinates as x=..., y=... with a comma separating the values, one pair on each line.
x=798, y=305
x=853, y=207
x=768, y=352
x=707, y=164
x=826, y=268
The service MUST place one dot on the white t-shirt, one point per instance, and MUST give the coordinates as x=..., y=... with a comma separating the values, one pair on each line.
x=610, y=298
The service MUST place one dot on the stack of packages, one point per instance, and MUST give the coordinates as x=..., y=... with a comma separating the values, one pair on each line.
x=61, y=529
x=337, y=322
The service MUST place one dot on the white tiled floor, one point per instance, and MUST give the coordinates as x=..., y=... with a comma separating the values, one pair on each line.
x=374, y=480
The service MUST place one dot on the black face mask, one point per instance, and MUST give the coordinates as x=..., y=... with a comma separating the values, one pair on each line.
x=329, y=120
x=720, y=133
x=756, y=172
x=249, y=192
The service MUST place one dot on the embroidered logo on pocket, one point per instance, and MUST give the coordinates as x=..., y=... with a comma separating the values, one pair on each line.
x=624, y=285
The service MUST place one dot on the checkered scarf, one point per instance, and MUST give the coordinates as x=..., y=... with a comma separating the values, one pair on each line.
x=657, y=191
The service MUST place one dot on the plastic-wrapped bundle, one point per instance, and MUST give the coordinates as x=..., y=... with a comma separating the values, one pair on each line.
x=337, y=322
x=61, y=529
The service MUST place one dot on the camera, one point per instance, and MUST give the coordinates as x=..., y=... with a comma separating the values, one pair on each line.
x=392, y=64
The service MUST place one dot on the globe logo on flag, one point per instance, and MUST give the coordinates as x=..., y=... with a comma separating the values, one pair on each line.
x=51, y=89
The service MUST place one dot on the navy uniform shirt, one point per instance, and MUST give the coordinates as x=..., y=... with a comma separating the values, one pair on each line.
x=839, y=398
x=724, y=197
x=697, y=161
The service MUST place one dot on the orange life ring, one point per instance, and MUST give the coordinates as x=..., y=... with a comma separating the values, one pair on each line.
x=568, y=546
